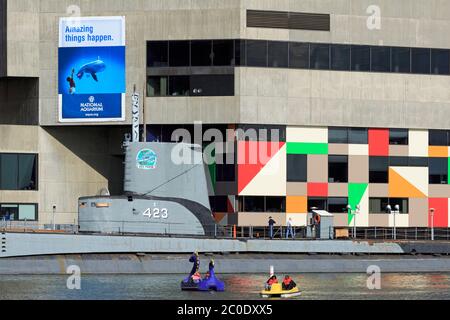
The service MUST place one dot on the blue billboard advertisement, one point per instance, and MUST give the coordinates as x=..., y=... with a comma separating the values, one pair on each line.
x=91, y=69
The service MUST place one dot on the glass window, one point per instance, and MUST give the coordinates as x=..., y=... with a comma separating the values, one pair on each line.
x=18, y=212
x=223, y=53
x=297, y=168
x=27, y=172
x=401, y=60
x=225, y=172
x=337, y=205
x=275, y=204
x=398, y=161
x=337, y=135
x=27, y=212
x=338, y=169
x=157, y=86
x=320, y=56
x=378, y=205
x=418, y=162
x=378, y=169
x=340, y=57
x=358, y=136
x=319, y=203
x=158, y=53
x=398, y=136
x=361, y=58
x=254, y=204
x=219, y=204
x=420, y=60
x=278, y=53
x=179, y=53
x=401, y=202
x=201, y=53
x=239, y=52
x=299, y=55
x=179, y=86
x=438, y=170
x=440, y=61
x=212, y=85
x=9, y=170
x=381, y=59
x=9, y=212
x=438, y=138
x=256, y=53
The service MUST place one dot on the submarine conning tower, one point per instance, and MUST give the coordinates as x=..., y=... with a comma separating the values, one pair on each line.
x=166, y=192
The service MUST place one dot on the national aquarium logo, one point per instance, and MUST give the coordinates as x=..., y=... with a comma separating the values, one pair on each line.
x=146, y=159
x=91, y=105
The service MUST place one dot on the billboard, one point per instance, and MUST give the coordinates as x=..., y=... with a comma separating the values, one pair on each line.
x=91, y=69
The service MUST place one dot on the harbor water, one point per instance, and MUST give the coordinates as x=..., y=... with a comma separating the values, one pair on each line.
x=239, y=287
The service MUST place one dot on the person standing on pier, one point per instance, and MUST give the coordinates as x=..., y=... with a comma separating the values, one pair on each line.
x=271, y=224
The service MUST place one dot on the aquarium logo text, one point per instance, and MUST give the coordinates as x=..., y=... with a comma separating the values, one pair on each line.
x=146, y=160
x=91, y=105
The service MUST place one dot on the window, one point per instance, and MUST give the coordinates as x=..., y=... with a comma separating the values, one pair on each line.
x=379, y=205
x=225, y=171
x=319, y=203
x=438, y=138
x=398, y=136
x=18, y=212
x=212, y=85
x=278, y=53
x=378, y=169
x=408, y=162
x=340, y=57
x=401, y=60
x=256, y=53
x=263, y=204
x=157, y=86
x=158, y=54
x=219, y=204
x=438, y=170
x=179, y=53
x=320, y=56
x=337, y=135
x=254, y=204
x=338, y=169
x=380, y=59
x=420, y=60
x=179, y=86
x=337, y=205
x=361, y=58
x=358, y=136
x=18, y=172
x=299, y=55
x=297, y=168
x=240, y=52
x=275, y=204
x=201, y=53
x=440, y=61
x=223, y=54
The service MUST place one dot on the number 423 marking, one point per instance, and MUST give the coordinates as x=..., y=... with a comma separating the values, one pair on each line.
x=156, y=213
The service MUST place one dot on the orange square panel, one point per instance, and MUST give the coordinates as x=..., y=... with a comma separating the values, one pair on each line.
x=297, y=205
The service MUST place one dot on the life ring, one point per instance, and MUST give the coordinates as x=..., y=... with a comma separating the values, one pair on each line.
x=317, y=219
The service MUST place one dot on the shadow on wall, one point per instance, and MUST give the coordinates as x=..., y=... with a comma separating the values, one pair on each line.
x=19, y=101
x=99, y=147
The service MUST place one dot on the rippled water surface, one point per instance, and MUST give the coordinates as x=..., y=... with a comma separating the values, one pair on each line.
x=239, y=287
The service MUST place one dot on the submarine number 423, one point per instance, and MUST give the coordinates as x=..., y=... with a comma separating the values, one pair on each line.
x=156, y=213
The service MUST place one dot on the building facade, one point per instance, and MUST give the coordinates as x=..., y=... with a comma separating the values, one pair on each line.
x=345, y=102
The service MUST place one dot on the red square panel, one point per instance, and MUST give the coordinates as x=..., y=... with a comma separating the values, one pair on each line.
x=440, y=206
x=317, y=189
x=379, y=142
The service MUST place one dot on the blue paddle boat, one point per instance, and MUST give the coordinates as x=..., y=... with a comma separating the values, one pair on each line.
x=194, y=282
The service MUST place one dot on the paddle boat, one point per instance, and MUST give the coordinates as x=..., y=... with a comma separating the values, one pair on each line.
x=287, y=289
x=194, y=282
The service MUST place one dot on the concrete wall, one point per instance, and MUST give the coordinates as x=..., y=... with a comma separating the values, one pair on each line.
x=3, y=64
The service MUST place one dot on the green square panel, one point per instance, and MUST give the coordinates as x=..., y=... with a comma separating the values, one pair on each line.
x=307, y=148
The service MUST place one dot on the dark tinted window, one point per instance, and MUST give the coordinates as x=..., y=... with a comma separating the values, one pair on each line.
x=297, y=168
x=18, y=172
x=379, y=169
x=179, y=53
x=338, y=135
x=420, y=62
x=201, y=53
x=278, y=54
x=275, y=204
x=361, y=58
x=337, y=205
x=157, y=86
x=320, y=56
x=398, y=136
x=179, y=86
x=240, y=52
x=401, y=60
x=381, y=59
x=9, y=170
x=401, y=202
x=254, y=204
x=378, y=205
x=212, y=85
x=158, y=54
x=225, y=172
x=319, y=203
x=440, y=61
x=418, y=162
x=223, y=52
x=299, y=55
x=358, y=136
x=338, y=169
x=438, y=138
x=340, y=57
x=438, y=170
x=256, y=53
x=398, y=161
x=219, y=204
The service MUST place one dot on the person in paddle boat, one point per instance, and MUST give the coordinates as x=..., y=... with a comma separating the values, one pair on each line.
x=272, y=280
x=288, y=284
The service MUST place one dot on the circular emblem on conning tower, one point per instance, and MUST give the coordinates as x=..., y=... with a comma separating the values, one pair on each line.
x=146, y=159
